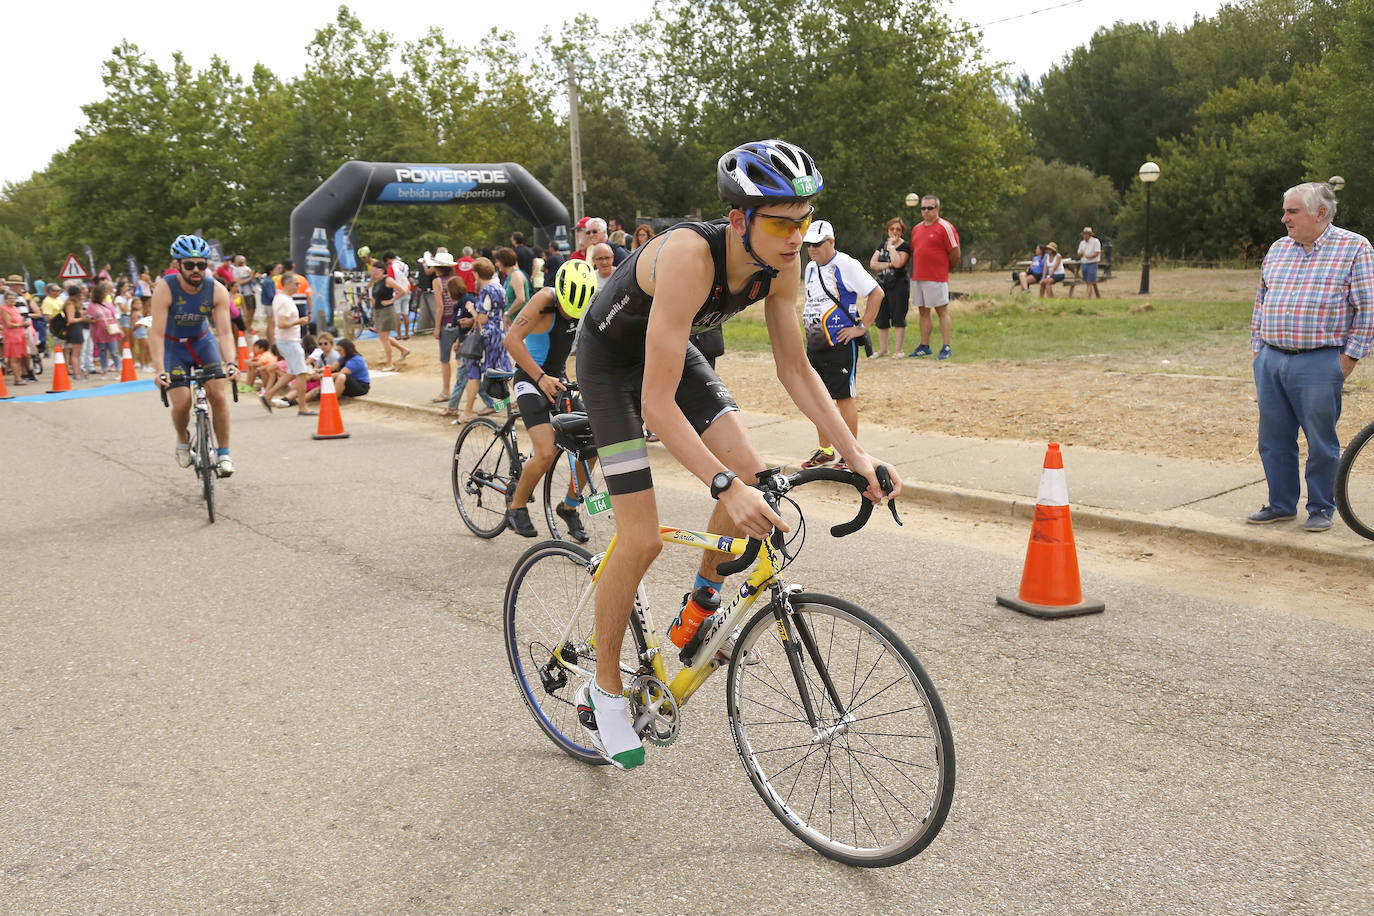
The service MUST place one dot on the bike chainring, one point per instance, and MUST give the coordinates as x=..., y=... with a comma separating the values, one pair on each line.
x=654, y=710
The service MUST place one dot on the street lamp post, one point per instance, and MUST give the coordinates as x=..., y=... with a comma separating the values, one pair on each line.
x=1149, y=173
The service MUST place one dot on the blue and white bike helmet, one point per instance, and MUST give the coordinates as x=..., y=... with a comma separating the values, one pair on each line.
x=190, y=246
x=766, y=172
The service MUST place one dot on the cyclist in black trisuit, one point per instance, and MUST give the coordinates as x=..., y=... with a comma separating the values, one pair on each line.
x=635, y=366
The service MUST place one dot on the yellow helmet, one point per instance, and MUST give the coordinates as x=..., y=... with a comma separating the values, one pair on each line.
x=575, y=285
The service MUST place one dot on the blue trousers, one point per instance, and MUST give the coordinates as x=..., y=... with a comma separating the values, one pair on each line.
x=1299, y=391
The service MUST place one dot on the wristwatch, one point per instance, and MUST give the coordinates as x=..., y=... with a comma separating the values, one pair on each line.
x=721, y=482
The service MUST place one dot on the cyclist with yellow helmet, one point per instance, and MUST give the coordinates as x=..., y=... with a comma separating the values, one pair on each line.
x=539, y=341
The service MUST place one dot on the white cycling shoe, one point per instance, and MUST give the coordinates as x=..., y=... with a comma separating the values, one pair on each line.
x=225, y=467
x=183, y=454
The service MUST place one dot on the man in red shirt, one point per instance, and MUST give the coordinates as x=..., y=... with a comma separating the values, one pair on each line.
x=934, y=250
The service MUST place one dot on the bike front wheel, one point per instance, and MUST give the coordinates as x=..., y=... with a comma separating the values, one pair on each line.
x=484, y=472
x=871, y=783
x=205, y=461
x=597, y=520
x=542, y=595
x=1355, y=483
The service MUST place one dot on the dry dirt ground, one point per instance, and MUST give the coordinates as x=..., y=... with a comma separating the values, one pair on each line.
x=1189, y=403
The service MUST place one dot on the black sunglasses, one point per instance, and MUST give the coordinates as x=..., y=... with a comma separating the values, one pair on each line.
x=930, y=208
x=195, y=265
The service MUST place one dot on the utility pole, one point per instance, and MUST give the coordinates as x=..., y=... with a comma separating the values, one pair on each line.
x=576, y=138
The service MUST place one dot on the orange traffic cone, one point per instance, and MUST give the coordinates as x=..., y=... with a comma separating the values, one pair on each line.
x=243, y=353
x=331, y=423
x=60, y=380
x=4, y=391
x=127, y=373
x=1049, y=583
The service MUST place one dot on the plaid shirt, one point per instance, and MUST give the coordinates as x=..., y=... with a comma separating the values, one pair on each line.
x=1321, y=298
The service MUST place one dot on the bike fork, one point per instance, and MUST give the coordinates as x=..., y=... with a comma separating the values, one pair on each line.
x=798, y=638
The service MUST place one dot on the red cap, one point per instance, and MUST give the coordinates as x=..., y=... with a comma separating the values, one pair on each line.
x=582, y=223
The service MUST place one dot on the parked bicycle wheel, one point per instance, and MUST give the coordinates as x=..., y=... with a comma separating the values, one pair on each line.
x=598, y=521
x=1355, y=483
x=485, y=466
x=206, y=455
x=872, y=784
x=541, y=595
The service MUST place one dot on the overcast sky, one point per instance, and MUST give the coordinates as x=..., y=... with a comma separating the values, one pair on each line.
x=53, y=55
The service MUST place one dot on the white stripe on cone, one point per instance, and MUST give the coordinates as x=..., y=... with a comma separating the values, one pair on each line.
x=326, y=385
x=1054, y=488
x=127, y=354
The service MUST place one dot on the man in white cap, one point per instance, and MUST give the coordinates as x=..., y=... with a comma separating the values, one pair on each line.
x=1089, y=252
x=830, y=319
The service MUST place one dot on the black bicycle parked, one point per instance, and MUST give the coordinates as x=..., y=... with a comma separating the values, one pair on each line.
x=1355, y=483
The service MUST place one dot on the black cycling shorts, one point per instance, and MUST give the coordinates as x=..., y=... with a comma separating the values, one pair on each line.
x=534, y=406
x=837, y=366
x=612, y=387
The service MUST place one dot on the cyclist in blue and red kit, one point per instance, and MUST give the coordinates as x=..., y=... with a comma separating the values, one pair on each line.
x=191, y=330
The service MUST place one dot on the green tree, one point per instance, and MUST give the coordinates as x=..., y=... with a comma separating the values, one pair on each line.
x=1058, y=201
x=1345, y=145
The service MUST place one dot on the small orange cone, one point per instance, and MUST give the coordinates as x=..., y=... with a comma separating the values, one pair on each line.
x=4, y=391
x=243, y=353
x=127, y=373
x=1049, y=584
x=61, y=381
x=331, y=422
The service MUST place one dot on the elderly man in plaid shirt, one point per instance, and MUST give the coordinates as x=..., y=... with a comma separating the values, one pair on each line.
x=1313, y=320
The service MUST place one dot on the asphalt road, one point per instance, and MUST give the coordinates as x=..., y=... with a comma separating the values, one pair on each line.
x=306, y=707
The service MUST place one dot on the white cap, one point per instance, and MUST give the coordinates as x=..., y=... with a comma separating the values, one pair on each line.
x=820, y=231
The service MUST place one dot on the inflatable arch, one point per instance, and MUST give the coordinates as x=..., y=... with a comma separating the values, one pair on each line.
x=321, y=225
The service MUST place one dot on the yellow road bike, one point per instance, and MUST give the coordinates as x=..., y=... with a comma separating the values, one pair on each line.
x=837, y=724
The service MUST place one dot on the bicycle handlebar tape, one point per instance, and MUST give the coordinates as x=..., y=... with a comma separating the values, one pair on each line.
x=331, y=421
x=127, y=372
x=61, y=381
x=1050, y=587
x=243, y=353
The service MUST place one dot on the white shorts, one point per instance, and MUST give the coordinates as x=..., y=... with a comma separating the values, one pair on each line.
x=927, y=294
x=294, y=354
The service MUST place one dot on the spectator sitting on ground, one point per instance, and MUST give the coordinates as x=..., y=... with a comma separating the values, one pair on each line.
x=262, y=366
x=354, y=381
x=1054, y=270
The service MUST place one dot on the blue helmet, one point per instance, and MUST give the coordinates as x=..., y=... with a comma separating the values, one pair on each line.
x=190, y=246
x=767, y=172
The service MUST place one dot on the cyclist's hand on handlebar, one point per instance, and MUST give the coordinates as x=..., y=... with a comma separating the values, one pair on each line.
x=875, y=492
x=231, y=371
x=163, y=380
x=750, y=511
x=551, y=386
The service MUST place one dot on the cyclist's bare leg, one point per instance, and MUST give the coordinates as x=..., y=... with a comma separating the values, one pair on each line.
x=637, y=545
x=538, y=465
x=218, y=396
x=180, y=399
x=729, y=441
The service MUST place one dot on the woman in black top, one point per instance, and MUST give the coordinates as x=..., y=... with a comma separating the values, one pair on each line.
x=890, y=261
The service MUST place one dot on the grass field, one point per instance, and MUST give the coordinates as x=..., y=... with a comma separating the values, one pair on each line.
x=1020, y=328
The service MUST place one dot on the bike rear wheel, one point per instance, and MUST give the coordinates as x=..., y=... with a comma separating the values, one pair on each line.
x=541, y=595
x=600, y=526
x=484, y=472
x=205, y=461
x=869, y=787
x=1355, y=483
